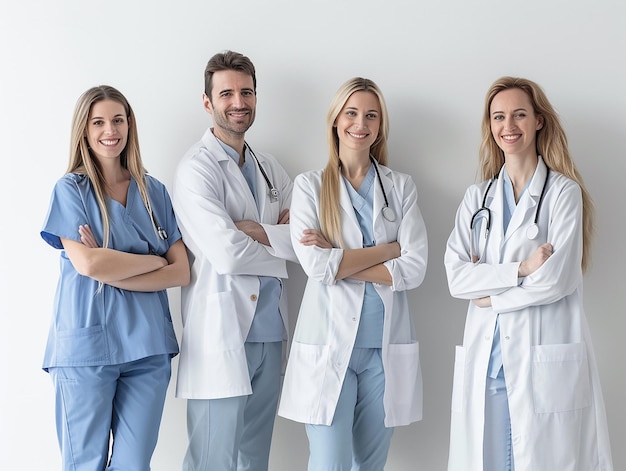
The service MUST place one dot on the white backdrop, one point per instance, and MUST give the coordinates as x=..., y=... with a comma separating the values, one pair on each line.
x=434, y=62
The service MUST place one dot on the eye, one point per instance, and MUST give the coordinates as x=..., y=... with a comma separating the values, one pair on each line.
x=498, y=117
x=247, y=93
x=520, y=115
x=372, y=116
x=97, y=122
x=118, y=120
x=350, y=113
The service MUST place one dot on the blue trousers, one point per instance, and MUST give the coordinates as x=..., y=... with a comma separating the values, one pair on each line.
x=235, y=433
x=357, y=439
x=95, y=404
x=497, y=446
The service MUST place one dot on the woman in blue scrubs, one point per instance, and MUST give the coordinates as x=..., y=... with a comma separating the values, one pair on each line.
x=111, y=338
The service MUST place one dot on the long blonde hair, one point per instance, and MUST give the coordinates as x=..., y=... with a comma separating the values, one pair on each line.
x=330, y=215
x=551, y=145
x=82, y=160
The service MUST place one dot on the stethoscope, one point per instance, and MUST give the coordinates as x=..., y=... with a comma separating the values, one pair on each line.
x=533, y=230
x=273, y=192
x=159, y=229
x=388, y=213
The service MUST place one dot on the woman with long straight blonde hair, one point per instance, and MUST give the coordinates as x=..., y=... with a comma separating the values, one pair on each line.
x=111, y=338
x=526, y=393
x=353, y=372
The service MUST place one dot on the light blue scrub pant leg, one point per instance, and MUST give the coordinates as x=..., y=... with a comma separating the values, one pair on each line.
x=125, y=402
x=497, y=446
x=357, y=439
x=235, y=433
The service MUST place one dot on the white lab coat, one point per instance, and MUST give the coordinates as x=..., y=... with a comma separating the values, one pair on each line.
x=558, y=418
x=329, y=314
x=209, y=195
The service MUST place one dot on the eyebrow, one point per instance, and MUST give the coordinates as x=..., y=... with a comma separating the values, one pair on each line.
x=102, y=117
x=367, y=111
x=514, y=111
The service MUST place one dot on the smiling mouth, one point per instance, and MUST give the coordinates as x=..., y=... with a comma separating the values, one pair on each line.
x=357, y=135
x=511, y=138
x=109, y=142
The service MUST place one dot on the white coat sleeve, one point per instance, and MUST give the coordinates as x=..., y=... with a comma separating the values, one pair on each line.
x=198, y=198
x=408, y=270
x=279, y=234
x=466, y=279
x=318, y=263
x=561, y=274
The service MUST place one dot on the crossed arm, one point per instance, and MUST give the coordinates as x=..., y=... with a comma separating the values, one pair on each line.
x=133, y=272
x=365, y=264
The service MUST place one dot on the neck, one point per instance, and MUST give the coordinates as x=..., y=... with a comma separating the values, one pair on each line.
x=236, y=141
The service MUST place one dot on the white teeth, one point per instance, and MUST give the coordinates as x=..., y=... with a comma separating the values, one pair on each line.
x=510, y=138
x=358, y=136
x=109, y=142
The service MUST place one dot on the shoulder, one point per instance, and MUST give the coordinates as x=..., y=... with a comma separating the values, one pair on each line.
x=308, y=178
x=560, y=184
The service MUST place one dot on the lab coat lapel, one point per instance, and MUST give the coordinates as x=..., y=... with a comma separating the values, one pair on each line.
x=524, y=213
x=351, y=230
x=233, y=173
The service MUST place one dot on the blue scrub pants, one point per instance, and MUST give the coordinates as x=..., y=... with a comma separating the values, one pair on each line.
x=122, y=402
x=357, y=439
x=497, y=446
x=235, y=433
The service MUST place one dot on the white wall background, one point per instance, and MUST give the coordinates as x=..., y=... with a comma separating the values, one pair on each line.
x=434, y=61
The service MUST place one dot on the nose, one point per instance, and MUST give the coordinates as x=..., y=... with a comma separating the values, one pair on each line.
x=109, y=127
x=509, y=123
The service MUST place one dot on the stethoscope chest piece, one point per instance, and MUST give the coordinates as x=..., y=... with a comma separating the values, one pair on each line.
x=389, y=214
x=533, y=231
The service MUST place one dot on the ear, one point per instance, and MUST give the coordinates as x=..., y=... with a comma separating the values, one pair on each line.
x=206, y=101
x=539, y=122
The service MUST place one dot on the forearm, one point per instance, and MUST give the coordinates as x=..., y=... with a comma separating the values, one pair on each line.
x=358, y=260
x=108, y=265
x=176, y=273
x=376, y=274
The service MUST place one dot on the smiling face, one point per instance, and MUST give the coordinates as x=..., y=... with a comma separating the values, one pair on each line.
x=514, y=124
x=358, y=122
x=107, y=129
x=232, y=104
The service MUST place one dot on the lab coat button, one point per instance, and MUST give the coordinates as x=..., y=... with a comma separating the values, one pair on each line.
x=253, y=297
x=507, y=338
x=354, y=319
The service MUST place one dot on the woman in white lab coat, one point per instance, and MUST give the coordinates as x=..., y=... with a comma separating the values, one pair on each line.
x=353, y=372
x=526, y=393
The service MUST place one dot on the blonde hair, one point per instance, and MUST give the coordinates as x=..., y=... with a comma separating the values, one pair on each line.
x=330, y=215
x=551, y=144
x=82, y=160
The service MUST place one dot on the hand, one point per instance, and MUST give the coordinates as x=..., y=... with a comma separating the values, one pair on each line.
x=314, y=237
x=482, y=302
x=283, y=217
x=531, y=264
x=87, y=237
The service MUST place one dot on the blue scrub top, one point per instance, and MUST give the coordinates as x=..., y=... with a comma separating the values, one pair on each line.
x=495, y=360
x=110, y=326
x=267, y=324
x=370, y=332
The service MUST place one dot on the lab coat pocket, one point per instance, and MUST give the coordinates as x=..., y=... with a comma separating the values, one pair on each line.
x=458, y=379
x=560, y=378
x=403, y=379
x=212, y=324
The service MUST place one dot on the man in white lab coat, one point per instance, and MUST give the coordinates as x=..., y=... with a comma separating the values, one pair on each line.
x=232, y=206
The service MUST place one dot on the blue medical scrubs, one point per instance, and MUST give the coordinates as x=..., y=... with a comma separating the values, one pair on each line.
x=235, y=433
x=357, y=437
x=498, y=449
x=108, y=349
